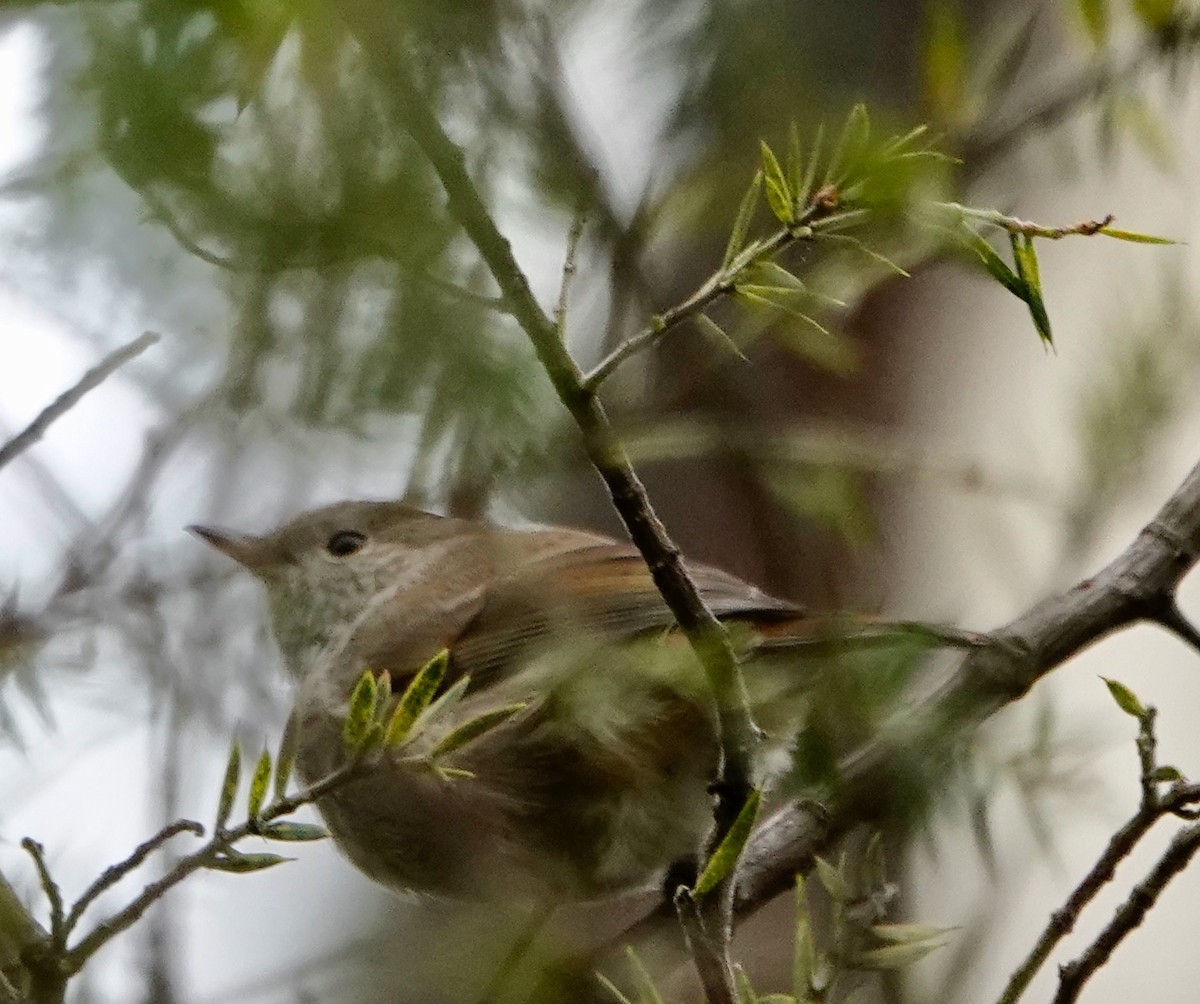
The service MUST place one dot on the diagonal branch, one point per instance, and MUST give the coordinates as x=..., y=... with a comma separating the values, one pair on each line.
x=1135, y=586
x=68, y=399
x=380, y=34
x=1129, y=915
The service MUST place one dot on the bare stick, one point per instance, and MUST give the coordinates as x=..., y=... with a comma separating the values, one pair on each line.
x=1153, y=807
x=68, y=399
x=125, y=918
x=49, y=887
x=111, y=875
x=1129, y=915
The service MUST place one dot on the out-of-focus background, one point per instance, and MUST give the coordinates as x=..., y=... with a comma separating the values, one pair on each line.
x=229, y=175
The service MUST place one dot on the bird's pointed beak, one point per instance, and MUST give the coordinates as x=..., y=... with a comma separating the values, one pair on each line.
x=246, y=550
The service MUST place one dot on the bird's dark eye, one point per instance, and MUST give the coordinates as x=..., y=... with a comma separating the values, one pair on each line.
x=345, y=542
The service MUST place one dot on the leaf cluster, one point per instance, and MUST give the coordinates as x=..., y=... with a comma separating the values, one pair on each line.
x=378, y=721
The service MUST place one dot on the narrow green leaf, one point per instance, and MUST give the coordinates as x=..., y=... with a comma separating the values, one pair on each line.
x=447, y=773
x=1166, y=773
x=741, y=224
x=1025, y=258
x=374, y=738
x=612, y=988
x=361, y=711
x=454, y=693
x=1025, y=255
x=776, y=274
x=849, y=147
x=417, y=696
x=471, y=730
x=995, y=266
x=833, y=881
x=229, y=786
x=646, y=990
x=258, y=785
x=840, y=221
x=805, y=191
x=783, y=296
x=907, y=934
x=787, y=298
x=745, y=989
x=898, y=144
x=717, y=334
x=383, y=695
x=1126, y=699
x=293, y=832
x=816, y=343
x=1128, y=235
x=240, y=863
x=804, y=952
x=725, y=858
x=779, y=196
x=893, y=957
x=284, y=760
x=795, y=165
x=779, y=203
x=871, y=253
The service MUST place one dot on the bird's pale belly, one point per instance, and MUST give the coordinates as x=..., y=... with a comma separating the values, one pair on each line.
x=548, y=812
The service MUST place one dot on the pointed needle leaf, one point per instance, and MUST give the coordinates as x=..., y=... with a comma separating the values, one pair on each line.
x=1125, y=698
x=471, y=730
x=229, y=785
x=417, y=696
x=293, y=832
x=717, y=334
x=725, y=858
x=361, y=712
x=258, y=785
x=1129, y=235
x=240, y=863
x=741, y=224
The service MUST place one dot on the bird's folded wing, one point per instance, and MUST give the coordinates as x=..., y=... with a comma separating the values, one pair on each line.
x=597, y=590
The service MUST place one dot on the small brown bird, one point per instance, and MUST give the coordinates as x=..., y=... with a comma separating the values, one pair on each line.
x=601, y=783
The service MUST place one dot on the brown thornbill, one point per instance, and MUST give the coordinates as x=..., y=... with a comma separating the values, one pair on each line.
x=600, y=784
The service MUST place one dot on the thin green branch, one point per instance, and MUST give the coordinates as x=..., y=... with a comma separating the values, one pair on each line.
x=68, y=399
x=713, y=288
x=1027, y=228
x=568, y=273
x=709, y=951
